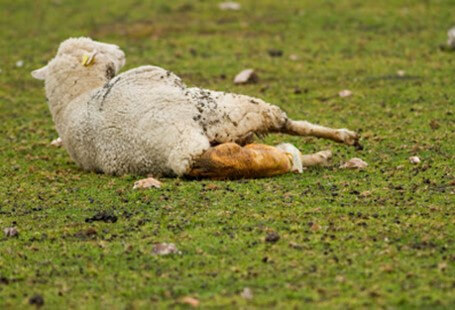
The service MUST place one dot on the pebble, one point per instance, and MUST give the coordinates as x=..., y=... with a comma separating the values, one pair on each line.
x=147, y=183
x=57, y=142
x=11, y=232
x=247, y=293
x=165, y=249
x=193, y=302
x=246, y=76
x=451, y=38
x=345, y=93
x=354, y=163
x=229, y=6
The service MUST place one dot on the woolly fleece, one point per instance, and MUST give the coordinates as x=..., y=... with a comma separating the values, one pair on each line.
x=145, y=120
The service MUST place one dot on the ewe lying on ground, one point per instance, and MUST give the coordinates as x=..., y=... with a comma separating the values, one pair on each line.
x=146, y=121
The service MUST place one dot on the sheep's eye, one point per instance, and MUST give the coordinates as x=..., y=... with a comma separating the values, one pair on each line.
x=110, y=72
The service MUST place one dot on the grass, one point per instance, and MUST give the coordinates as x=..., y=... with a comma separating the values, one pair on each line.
x=381, y=238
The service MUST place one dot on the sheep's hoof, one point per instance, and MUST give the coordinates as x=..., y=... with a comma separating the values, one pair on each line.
x=147, y=183
x=348, y=137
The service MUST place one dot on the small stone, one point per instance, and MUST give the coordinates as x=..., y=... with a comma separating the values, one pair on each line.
x=36, y=300
x=229, y=6
x=193, y=302
x=345, y=93
x=414, y=160
x=451, y=38
x=354, y=163
x=57, y=142
x=272, y=237
x=11, y=232
x=246, y=76
x=294, y=57
x=165, y=249
x=147, y=183
x=19, y=63
x=247, y=293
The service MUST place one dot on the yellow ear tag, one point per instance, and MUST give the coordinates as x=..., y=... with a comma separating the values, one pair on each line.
x=88, y=59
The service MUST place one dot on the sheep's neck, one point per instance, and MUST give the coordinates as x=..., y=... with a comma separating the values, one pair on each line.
x=62, y=91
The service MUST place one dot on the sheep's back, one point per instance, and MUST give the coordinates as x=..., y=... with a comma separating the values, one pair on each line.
x=138, y=129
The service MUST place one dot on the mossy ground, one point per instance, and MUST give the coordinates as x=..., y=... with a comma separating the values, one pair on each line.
x=383, y=237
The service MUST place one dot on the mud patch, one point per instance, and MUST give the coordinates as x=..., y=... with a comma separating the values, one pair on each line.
x=103, y=216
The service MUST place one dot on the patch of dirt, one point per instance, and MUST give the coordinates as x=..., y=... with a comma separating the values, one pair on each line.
x=88, y=233
x=103, y=216
x=36, y=300
x=272, y=237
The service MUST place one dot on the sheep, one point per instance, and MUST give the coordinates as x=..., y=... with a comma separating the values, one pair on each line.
x=146, y=121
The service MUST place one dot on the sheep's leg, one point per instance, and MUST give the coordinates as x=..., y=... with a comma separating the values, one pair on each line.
x=304, y=128
x=231, y=161
x=317, y=159
x=260, y=117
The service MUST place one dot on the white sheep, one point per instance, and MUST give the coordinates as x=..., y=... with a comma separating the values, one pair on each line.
x=146, y=121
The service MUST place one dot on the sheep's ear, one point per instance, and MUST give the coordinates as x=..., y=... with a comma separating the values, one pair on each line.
x=89, y=58
x=40, y=74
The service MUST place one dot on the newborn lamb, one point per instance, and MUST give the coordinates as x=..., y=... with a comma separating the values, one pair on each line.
x=146, y=121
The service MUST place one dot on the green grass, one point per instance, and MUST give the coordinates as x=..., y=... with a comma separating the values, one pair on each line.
x=383, y=237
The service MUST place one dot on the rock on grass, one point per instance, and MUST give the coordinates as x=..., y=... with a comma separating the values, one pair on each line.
x=147, y=183
x=451, y=38
x=354, y=163
x=345, y=93
x=57, y=142
x=247, y=293
x=246, y=76
x=165, y=249
x=193, y=302
x=11, y=232
x=414, y=160
x=229, y=6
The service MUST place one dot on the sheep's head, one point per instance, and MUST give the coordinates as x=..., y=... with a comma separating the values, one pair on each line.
x=77, y=52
